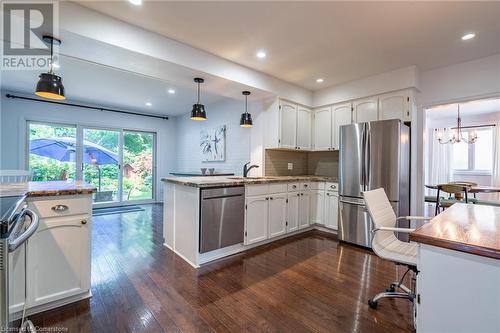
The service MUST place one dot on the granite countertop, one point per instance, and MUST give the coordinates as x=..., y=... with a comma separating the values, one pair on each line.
x=469, y=228
x=235, y=181
x=48, y=188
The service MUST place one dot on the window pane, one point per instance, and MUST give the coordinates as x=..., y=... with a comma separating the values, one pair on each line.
x=52, y=152
x=460, y=156
x=483, y=154
x=138, y=165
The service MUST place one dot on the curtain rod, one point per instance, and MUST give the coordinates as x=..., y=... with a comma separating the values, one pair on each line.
x=87, y=107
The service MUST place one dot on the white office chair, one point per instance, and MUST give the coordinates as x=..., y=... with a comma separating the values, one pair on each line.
x=15, y=176
x=387, y=246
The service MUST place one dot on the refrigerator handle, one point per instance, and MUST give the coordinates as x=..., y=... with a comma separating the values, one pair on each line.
x=367, y=157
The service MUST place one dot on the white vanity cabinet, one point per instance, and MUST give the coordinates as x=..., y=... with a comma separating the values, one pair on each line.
x=58, y=254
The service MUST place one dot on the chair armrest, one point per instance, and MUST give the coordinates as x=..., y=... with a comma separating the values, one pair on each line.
x=413, y=218
x=405, y=230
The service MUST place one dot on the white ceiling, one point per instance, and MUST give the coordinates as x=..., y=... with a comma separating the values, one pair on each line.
x=467, y=109
x=338, y=41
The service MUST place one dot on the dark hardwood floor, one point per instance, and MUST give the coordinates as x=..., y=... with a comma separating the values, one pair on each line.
x=305, y=283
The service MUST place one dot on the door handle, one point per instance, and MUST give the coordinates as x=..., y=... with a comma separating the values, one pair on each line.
x=60, y=208
x=84, y=221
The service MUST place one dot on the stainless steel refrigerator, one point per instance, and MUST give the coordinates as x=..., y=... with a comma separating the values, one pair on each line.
x=372, y=155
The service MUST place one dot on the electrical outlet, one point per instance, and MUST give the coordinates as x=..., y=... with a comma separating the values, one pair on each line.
x=290, y=166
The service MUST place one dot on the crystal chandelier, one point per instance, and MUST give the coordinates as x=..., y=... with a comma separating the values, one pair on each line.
x=455, y=135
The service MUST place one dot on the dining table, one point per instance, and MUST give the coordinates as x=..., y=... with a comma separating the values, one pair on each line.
x=474, y=188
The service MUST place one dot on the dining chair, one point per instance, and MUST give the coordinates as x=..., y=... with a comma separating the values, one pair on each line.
x=455, y=195
x=464, y=182
x=15, y=176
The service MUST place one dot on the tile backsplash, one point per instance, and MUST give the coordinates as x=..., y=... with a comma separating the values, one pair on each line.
x=304, y=163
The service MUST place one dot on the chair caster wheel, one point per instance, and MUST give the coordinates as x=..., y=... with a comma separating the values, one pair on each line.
x=390, y=289
x=372, y=304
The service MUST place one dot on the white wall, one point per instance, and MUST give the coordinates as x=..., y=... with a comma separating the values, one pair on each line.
x=15, y=113
x=227, y=112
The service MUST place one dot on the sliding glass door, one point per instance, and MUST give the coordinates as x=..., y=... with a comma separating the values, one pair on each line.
x=120, y=163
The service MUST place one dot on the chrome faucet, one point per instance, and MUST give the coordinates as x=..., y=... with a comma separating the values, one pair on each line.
x=247, y=168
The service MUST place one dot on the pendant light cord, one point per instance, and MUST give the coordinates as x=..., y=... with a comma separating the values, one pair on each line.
x=198, y=92
x=246, y=104
x=51, y=71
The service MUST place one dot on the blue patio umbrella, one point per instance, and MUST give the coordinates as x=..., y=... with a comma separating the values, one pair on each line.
x=64, y=149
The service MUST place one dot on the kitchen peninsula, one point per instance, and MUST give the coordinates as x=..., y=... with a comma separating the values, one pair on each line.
x=207, y=218
x=458, y=286
x=58, y=253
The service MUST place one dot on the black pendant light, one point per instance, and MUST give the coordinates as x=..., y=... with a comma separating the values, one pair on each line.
x=198, y=113
x=246, y=118
x=50, y=85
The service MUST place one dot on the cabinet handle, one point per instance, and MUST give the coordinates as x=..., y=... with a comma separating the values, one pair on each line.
x=267, y=198
x=294, y=186
x=305, y=185
x=298, y=194
x=333, y=186
x=271, y=198
x=84, y=221
x=60, y=208
x=301, y=193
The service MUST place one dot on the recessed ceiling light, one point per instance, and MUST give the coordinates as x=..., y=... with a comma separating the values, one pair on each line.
x=261, y=54
x=468, y=36
x=320, y=80
x=171, y=91
x=135, y=2
x=149, y=104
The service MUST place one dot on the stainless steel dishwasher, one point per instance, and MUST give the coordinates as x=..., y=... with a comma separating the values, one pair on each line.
x=222, y=218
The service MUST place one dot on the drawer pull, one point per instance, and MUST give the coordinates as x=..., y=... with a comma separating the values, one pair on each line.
x=60, y=208
x=294, y=186
x=333, y=186
x=84, y=221
x=305, y=185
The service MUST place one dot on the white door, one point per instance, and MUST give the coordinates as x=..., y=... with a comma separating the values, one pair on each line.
x=322, y=129
x=318, y=207
x=304, y=209
x=288, y=128
x=304, y=125
x=292, y=211
x=394, y=106
x=277, y=215
x=256, y=219
x=59, y=259
x=365, y=110
x=331, y=210
x=341, y=115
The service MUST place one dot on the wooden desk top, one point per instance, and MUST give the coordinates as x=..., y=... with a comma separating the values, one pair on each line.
x=468, y=228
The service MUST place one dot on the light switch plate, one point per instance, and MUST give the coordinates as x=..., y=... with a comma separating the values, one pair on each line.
x=290, y=166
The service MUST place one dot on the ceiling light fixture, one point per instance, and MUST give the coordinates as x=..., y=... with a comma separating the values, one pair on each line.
x=198, y=113
x=50, y=85
x=320, y=80
x=135, y=2
x=149, y=104
x=261, y=54
x=468, y=36
x=171, y=91
x=246, y=118
x=455, y=133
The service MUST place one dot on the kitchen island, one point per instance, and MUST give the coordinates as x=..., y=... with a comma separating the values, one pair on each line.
x=207, y=218
x=58, y=253
x=458, y=285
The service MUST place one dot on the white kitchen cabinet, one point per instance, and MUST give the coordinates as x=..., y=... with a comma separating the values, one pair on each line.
x=277, y=215
x=304, y=209
x=322, y=129
x=256, y=219
x=365, y=110
x=288, y=125
x=318, y=207
x=59, y=259
x=292, y=211
x=341, y=115
x=304, y=126
x=16, y=280
x=331, y=209
x=395, y=106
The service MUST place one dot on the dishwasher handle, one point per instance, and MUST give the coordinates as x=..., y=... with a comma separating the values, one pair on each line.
x=223, y=196
x=35, y=221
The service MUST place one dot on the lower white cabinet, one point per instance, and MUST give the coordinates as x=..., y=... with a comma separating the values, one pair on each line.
x=256, y=219
x=277, y=214
x=292, y=211
x=304, y=209
x=331, y=209
x=318, y=207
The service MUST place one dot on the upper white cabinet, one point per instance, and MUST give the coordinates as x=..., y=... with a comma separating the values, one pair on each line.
x=341, y=115
x=323, y=129
x=288, y=125
x=304, y=125
x=365, y=110
x=395, y=106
